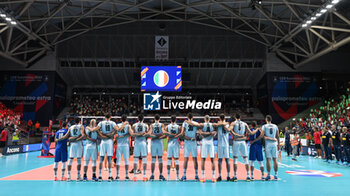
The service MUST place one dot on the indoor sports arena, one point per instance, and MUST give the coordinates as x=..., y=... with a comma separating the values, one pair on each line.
x=174, y=97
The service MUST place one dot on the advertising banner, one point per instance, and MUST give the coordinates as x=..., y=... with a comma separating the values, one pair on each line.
x=161, y=52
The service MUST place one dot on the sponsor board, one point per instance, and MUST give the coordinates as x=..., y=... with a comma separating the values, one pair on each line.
x=12, y=149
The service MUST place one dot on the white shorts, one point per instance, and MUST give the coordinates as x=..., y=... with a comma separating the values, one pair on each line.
x=223, y=151
x=207, y=150
x=190, y=148
x=76, y=150
x=157, y=149
x=271, y=150
x=240, y=147
x=106, y=147
x=173, y=150
x=123, y=150
x=90, y=152
x=140, y=150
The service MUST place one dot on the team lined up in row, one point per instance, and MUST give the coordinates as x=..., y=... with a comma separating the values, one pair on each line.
x=107, y=130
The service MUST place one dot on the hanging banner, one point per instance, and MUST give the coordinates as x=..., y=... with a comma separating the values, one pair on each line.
x=161, y=52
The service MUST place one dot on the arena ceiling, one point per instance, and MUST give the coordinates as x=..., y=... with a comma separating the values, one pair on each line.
x=38, y=26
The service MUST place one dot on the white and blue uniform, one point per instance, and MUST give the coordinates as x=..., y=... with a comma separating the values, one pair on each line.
x=90, y=147
x=207, y=148
x=173, y=143
x=240, y=146
x=140, y=148
x=223, y=142
x=106, y=145
x=76, y=148
x=157, y=144
x=123, y=145
x=190, y=146
x=270, y=146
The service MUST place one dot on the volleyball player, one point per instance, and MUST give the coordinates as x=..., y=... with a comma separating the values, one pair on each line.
x=90, y=150
x=255, y=151
x=190, y=145
x=239, y=130
x=140, y=150
x=156, y=133
x=271, y=146
x=123, y=146
x=76, y=147
x=173, y=132
x=61, y=152
x=223, y=145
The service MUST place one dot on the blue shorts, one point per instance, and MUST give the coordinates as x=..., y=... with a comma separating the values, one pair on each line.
x=61, y=155
x=255, y=153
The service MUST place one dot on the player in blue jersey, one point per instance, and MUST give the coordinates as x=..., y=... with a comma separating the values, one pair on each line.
x=223, y=145
x=61, y=151
x=240, y=129
x=123, y=146
x=90, y=150
x=106, y=130
x=173, y=132
x=190, y=145
x=255, y=151
x=140, y=150
x=271, y=146
x=76, y=147
x=156, y=133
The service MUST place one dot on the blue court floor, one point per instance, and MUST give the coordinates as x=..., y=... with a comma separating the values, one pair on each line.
x=288, y=185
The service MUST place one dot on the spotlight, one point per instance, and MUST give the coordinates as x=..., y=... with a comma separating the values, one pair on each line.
x=318, y=14
x=3, y=15
x=308, y=22
x=313, y=18
x=8, y=19
x=304, y=25
x=329, y=6
x=335, y=1
x=323, y=11
x=13, y=22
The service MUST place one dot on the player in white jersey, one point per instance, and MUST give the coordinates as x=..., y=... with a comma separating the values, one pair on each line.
x=76, y=147
x=173, y=132
x=207, y=133
x=140, y=147
x=156, y=133
x=90, y=150
x=239, y=130
x=106, y=130
x=223, y=145
x=271, y=146
x=190, y=145
x=123, y=146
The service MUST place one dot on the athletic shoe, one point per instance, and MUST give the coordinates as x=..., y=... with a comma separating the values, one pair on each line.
x=228, y=179
x=127, y=178
x=79, y=179
x=134, y=179
x=177, y=179
x=294, y=159
x=268, y=177
x=275, y=177
x=110, y=179
x=145, y=179
x=196, y=178
x=151, y=178
x=219, y=179
x=234, y=179
x=138, y=171
x=68, y=180
x=131, y=171
x=56, y=179
x=94, y=178
x=85, y=178
x=161, y=178
x=248, y=179
x=252, y=178
x=202, y=180
x=183, y=178
x=100, y=179
x=63, y=179
x=105, y=169
x=117, y=178
x=213, y=180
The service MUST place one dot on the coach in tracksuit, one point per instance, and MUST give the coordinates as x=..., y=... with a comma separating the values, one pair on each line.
x=327, y=143
x=346, y=144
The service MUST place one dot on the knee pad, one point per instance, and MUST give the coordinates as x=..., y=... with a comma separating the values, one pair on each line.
x=261, y=164
x=246, y=161
x=235, y=161
x=144, y=160
x=93, y=163
x=86, y=163
x=136, y=160
x=160, y=160
x=79, y=161
x=153, y=160
x=219, y=161
x=101, y=159
x=169, y=161
x=252, y=163
x=55, y=165
x=64, y=165
x=177, y=162
x=70, y=162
